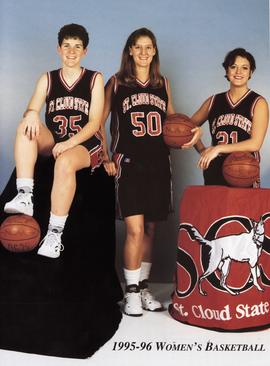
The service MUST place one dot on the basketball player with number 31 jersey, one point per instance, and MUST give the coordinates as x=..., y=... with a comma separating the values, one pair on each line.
x=238, y=118
x=230, y=123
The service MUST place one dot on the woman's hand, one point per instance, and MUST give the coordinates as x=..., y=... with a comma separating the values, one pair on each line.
x=31, y=125
x=110, y=167
x=197, y=131
x=208, y=154
x=61, y=147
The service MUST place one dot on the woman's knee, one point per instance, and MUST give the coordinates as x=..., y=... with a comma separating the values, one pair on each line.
x=20, y=132
x=136, y=231
x=63, y=166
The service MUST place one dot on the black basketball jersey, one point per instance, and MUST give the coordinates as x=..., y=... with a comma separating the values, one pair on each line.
x=67, y=107
x=231, y=122
x=138, y=113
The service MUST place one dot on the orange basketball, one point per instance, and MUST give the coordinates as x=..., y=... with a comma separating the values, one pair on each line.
x=241, y=169
x=177, y=130
x=19, y=233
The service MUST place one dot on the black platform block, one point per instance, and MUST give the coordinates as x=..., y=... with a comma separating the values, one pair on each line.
x=66, y=307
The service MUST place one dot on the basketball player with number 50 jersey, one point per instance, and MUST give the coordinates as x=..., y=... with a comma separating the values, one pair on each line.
x=139, y=100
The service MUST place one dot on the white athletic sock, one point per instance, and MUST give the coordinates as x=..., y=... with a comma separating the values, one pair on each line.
x=132, y=276
x=57, y=222
x=145, y=270
x=25, y=184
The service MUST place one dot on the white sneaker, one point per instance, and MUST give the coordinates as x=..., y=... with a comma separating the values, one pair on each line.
x=148, y=301
x=21, y=204
x=51, y=245
x=133, y=303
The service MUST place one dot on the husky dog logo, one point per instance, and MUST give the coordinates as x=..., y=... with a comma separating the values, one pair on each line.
x=244, y=247
x=217, y=253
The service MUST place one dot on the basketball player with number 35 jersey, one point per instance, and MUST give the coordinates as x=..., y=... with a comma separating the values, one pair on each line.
x=74, y=100
x=67, y=110
x=238, y=118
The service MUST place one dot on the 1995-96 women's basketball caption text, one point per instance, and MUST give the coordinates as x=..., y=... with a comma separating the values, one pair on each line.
x=185, y=347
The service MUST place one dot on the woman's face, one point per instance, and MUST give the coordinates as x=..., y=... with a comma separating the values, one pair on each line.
x=142, y=52
x=71, y=51
x=239, y=72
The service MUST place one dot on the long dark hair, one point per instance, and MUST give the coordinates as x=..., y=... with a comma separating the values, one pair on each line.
x=127, y=72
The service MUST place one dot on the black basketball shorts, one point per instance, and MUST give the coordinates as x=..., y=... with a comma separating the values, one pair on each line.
x=143, y=188
x=93, y=146
x=95, y=149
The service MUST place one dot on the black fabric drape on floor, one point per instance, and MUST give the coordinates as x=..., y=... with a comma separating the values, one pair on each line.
x=64, y=307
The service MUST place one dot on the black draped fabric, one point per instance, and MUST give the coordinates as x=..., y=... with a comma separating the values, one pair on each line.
x=66, y=307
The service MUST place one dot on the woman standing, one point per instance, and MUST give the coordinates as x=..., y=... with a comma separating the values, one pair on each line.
x=139, y=100
x=238, y=118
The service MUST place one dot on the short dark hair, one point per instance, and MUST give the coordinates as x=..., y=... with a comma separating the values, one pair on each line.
x=73, y=31
x=231, y=56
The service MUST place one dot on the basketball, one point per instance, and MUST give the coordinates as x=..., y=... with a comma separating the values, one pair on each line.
x=177, y=130
x=241, y=169
x=20, y=233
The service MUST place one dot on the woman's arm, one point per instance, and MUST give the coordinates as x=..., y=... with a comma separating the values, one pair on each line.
x=94, y=119
x=31, y=118
x=106, y=111
x=108, y=164
x=254, y=143
x=199, y=117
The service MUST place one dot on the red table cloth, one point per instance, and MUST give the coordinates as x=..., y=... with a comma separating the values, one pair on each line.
x=223, y=259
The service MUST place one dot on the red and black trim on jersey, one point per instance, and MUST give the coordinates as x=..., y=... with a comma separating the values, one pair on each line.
x=71, y=87
x=95, y=149
x=117, y=159
x=143, y=84
x=231, y=122
x=67, y=109
x=67, y=87
x=138, y=113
